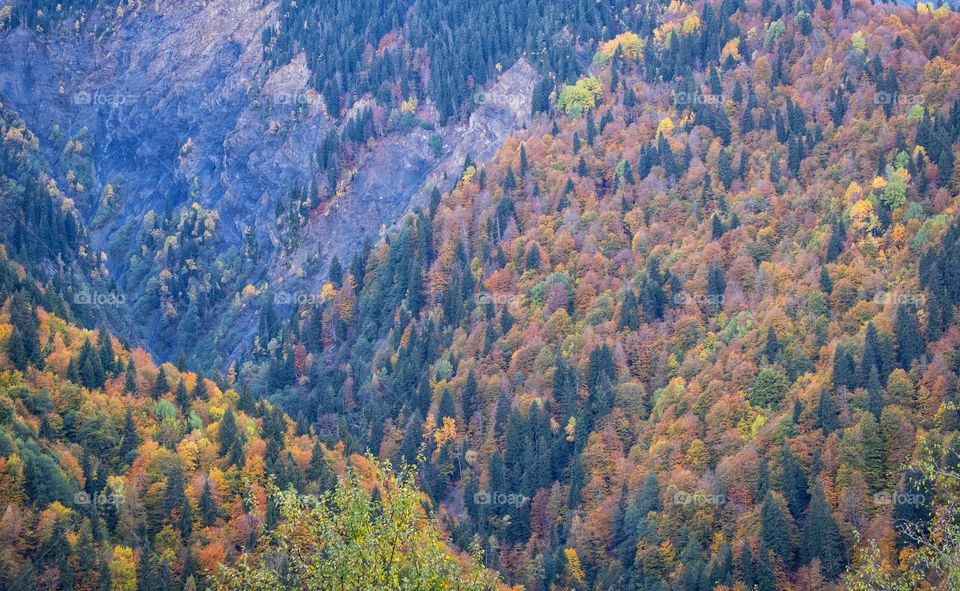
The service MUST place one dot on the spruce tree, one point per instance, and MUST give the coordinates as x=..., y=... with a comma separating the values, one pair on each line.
x=129, y=441
x=844, y=369
x=199, y=391
x=25, y=347
x=826, y=284
x=771, y=348
x=469, y=397
x=319, y=469
x=909, y=341
x=160, y=386
x=229, y=433
x=875, y=401
x=716, y=227
x=130, y=381
x=872, y=455
x=105, y=347
x=182, y=398
x=208, y=506
x=838, y=235
x=826, y=413
x=775, y=530
x=794, y=484
x=629, y=312
x=821, y=538
x=446, y=407
x=89, y=366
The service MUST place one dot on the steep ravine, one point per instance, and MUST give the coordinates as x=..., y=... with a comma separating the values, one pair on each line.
x=176, y=74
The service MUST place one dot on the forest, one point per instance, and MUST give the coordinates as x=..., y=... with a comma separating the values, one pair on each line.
x=693, y=329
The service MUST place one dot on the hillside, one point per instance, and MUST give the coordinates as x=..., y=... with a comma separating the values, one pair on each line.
x=116, y=473
x=286, y=132
x=701, y=312
x=674, y=312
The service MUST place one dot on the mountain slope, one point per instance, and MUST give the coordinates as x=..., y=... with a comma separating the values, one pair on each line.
x=116, y=473
x=691, y=326
x=693, y=321
x=179, y=103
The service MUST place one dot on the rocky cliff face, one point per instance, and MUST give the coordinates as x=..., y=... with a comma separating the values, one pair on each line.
x=401, y=171
x=180, y=107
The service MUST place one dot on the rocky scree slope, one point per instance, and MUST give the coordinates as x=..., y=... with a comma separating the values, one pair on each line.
x=158, y=107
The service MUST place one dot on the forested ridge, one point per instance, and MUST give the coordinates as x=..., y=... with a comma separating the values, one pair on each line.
x=694, y=329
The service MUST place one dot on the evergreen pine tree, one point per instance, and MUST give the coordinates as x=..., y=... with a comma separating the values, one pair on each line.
x=228, y=431
x=775, y=530
x=821, y=538
x=199, y=391
x=909, y=341
x=208, y=506
x=130, y=382
x=826, y=413
x=469, y=397
x=130, y=441
x=181, y=398
x=105, y=347
x=716, y=227
x=160, y=386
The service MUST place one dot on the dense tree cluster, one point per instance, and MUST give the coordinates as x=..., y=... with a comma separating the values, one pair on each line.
x=674, y=336
x=682, y=324
x=116, y=473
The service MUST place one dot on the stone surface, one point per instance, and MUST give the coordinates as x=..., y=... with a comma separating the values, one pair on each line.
x=177, y=73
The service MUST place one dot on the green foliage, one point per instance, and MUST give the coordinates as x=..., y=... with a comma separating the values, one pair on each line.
x=936, y=544
x=576, y=99
x=769, y=388
x=351, y=540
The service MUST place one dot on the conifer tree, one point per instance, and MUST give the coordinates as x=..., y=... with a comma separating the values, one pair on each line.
x=228, y=432
x=775, y=530
x=821, y=538
x=208, y=506
x=181, y=397
x=909, y=341
x=160, y=386
x=826, y=413
x=129, y=441
x=130, y=381
x=469, y=397
x=199, y=391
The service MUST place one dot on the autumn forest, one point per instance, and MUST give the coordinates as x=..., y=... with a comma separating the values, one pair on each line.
x=693, y=326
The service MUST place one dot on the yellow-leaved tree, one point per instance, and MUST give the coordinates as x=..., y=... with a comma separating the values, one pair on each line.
x=349, y=539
